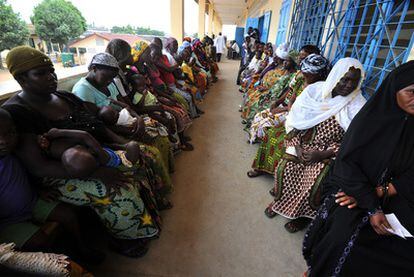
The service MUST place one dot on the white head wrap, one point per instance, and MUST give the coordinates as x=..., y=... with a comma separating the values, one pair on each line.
x=316, y=104
x=283, y=51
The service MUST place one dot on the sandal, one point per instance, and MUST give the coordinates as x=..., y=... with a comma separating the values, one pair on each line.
x=269, y=212
x=272, y=192
x=164, y=204
x=187, y=146
x=297, y=224
x=136, y=250
x=254, y=173
x=185, y=138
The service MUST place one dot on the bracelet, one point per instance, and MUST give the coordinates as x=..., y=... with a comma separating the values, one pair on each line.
x=375, y=211
x=114, y=159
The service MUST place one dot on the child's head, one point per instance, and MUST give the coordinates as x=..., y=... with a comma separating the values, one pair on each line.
x=137, y=82
x=79, y=162
x=186, y=56
x=108, y=115
x=156, y=52
x=132, y=151
x=8, y=134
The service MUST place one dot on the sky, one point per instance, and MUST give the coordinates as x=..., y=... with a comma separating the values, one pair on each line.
x=142, y=13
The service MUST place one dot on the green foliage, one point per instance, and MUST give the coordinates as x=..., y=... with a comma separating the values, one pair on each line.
x=58, y=21
x=13, y=30
x=136, y=30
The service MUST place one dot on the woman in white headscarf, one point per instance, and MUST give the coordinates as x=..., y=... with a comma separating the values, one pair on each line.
x=315, y=127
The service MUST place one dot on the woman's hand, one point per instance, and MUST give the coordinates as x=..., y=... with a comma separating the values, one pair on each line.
x=344, y=200
x=316, y=156
x=112, y=178
x=50, y=194
x=277, y=110
x=379, y=223
x=391, y=191
x=299, y=152
x=138, y=130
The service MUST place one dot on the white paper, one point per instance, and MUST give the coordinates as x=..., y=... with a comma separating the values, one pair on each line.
x=397, y=228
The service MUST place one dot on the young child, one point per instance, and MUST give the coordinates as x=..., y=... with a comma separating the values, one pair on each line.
x=22, y=211
x=123, y=118
x=81, y=154
x=190, y=80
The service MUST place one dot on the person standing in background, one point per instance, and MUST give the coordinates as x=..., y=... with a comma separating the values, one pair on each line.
x=220, y=45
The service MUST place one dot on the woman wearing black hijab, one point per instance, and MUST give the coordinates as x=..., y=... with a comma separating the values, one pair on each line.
x=373, y=175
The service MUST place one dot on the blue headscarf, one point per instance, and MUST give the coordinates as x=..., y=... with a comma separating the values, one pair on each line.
x=183, y=46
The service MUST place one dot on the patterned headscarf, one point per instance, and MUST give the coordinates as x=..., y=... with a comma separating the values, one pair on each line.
x=283, y=51
x=196, y=43
x=120, y=49
x=104, y=59
x=169, y=41
x=183, y=46
x=137, y=50
x=294, y=55
x=315, y=64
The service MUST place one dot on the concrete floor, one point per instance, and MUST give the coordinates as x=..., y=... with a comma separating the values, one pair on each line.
x=217, y=226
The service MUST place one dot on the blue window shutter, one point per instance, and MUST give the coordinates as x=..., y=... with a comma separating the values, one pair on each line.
x=266, y=26
x=283, y=22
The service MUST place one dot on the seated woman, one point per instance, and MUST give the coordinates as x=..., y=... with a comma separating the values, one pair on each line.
x=271, y=146
x=39, y=108
x=314, y=68
x=315, y=127
x=21, y=219
x=179, y=107
x=371, y=180
x=199, y=50
x=188, y=74
x=262, y=98
x=202, y=77
x=121, y=51
x=98, y=88
x=144, y=101
x=267, y=80
x=254, y=67
x=164, y=67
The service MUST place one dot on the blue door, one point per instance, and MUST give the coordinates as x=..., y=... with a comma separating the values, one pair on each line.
x=251, y=22
x=283, y=22
x=239, y=36
x=264, y=32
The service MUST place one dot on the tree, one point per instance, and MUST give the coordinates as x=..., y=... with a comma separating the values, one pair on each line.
x=136, y=30
x=124, y=29
x=13, y=30
x=58, y=21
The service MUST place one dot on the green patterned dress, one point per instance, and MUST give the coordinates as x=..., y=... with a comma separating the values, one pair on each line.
x=129, y=214
x=271, y=147
x=265, y=100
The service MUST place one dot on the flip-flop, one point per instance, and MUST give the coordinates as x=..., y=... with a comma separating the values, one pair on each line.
x=187, y=146
x=272, y=192
x=297, y=224
x=135, y=251
x=254, y=173
x=269, y=212
x=164, y=204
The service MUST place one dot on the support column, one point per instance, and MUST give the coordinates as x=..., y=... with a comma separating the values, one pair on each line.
x=201, y=18
x=210, y=19
x=177, y=19
x=217, y=25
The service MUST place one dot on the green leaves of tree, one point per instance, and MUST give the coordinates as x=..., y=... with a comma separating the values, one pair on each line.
x=13, y=30
x=58, y=21
x=136, y=30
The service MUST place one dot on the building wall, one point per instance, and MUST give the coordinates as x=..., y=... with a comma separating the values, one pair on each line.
x=93, y=45
x=259, y=8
